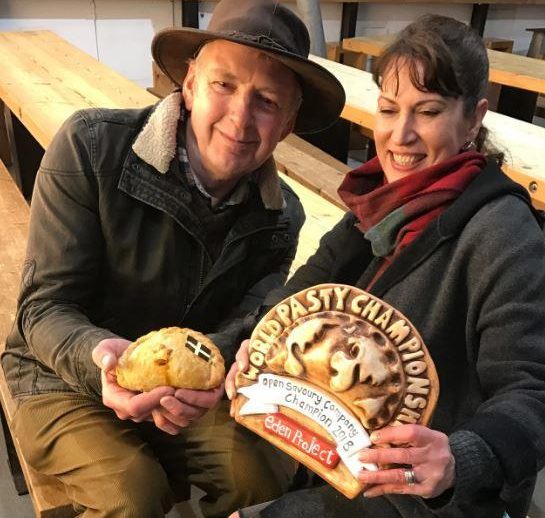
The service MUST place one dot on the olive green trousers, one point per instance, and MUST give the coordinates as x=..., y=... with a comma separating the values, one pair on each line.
x=121, y=469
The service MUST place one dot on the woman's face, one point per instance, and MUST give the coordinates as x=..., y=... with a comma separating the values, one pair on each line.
x=415, y=130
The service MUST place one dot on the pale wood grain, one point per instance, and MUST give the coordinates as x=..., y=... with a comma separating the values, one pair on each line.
x=505, y=68
x=45, y=79
x=48, y=496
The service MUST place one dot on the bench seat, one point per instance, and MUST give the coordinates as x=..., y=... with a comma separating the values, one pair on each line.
x=48, y=496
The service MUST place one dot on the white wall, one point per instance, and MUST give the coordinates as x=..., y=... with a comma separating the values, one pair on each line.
x=119, y=32
x=509, y=21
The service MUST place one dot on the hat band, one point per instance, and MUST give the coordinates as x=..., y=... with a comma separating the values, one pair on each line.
x=261, y=39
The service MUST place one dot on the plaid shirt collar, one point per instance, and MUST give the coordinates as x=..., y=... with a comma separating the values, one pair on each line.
x=241, y=191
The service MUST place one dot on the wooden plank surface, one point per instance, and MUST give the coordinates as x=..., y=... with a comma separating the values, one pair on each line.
x=47, y=493
x=321, y=216
x=14, y=215
x=311, y=167
x=45, y=79
x=522, y=142
x=505, y=68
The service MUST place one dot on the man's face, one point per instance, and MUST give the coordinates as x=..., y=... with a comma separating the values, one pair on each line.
x=242, y=104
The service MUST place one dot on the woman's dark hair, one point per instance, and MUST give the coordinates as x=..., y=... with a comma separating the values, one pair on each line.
x=452, y=57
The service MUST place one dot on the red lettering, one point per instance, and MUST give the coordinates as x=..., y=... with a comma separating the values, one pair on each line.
x=305, y=440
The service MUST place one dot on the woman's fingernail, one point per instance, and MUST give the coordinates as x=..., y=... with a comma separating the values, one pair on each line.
x=229, y=392
x=364, y=456
x=105, y=361
x=375, y=436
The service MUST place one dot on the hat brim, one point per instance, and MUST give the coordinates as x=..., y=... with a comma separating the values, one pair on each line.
x=323, y=96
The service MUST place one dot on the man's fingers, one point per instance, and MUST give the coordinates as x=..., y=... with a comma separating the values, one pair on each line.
x=242, y=356
x=106, y=353
x=200, y=398
x=164, y=424
x=144, y=403
x=178, y=408
x=383, y=476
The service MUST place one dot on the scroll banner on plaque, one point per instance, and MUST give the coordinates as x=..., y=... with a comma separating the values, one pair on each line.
x=348, y=433
x=328, y=366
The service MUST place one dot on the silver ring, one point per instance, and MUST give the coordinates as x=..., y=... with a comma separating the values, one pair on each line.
x=410, y=477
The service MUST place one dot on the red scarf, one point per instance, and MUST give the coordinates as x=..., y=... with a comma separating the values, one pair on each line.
x=396, y=213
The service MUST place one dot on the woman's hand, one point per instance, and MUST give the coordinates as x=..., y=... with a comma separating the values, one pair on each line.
x=241, y=363
x=426, y=452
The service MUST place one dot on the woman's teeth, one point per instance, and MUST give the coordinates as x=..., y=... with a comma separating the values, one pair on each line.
x=405, y=160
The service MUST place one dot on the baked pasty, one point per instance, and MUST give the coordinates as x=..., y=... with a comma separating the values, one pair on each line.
x=173, y=356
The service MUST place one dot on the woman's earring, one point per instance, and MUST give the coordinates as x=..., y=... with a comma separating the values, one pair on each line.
x=468, y=144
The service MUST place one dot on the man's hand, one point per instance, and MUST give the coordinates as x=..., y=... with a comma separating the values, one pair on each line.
x=170, y=409
x=184, y=407
x=126, y=404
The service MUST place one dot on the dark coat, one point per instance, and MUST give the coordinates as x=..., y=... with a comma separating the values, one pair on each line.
x=473, y=284
x=114, y=250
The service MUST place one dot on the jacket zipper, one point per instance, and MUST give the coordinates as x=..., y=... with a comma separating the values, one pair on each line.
x=238, y=238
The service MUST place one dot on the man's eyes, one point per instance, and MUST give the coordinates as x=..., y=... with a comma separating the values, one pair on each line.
x=220, y=85
x=267, y=101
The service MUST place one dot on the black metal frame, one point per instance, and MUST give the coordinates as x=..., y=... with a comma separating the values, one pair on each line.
x=13, y=461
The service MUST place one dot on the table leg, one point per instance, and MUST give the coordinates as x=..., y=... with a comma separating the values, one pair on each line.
x=334, y=140
x=517, y=103
x=478, y=17
x=29, y=156
x=5, y=144
x=190, y=13
x=349, y=20
x=13, y=460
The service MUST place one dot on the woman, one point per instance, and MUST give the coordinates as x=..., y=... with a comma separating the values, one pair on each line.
x=439, y=232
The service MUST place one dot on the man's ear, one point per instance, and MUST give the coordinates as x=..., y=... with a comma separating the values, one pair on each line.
x=188, y=87
x=477, y=122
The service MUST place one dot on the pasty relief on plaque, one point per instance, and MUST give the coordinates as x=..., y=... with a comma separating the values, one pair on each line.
x=328, y=366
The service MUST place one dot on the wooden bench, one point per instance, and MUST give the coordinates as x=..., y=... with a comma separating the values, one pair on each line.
x=48, y=496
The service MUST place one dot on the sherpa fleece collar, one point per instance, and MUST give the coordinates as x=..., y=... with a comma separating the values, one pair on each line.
x=156, y=145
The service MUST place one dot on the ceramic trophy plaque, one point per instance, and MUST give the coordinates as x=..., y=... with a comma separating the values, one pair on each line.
x=328, y=366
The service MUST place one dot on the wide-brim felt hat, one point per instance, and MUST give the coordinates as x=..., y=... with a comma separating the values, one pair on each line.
x=274, y=29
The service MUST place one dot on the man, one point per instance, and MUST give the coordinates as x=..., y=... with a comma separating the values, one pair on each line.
x=170, y=215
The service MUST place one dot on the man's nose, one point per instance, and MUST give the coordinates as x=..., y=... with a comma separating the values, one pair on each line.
x=240, y=110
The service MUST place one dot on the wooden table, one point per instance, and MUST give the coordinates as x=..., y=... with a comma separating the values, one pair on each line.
x=506, y=69
x=44, y=80
x=523, y=142
x=66, y=79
